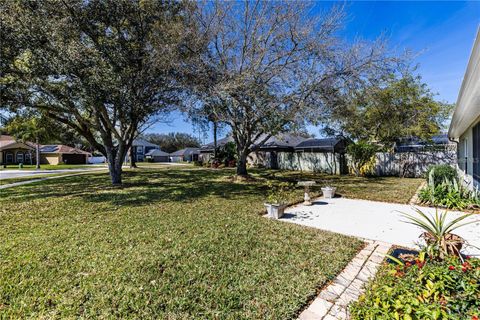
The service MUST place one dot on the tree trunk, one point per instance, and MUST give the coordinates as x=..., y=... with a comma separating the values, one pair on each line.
x=214, y=139
x=133, y=163
x=242, y=163
x=37, y=154
x=115, y=161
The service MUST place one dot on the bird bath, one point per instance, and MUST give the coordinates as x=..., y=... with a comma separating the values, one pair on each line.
x=306, y=185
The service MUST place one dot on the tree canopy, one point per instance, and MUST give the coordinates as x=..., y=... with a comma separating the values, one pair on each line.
x=172, y=141
x=395, y=108
x=272, y=66
x=103, y=68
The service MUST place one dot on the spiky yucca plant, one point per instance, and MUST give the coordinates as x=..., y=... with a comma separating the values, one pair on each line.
x=437, y=234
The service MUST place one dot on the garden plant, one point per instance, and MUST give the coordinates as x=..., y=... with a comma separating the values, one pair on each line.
x=439, y=283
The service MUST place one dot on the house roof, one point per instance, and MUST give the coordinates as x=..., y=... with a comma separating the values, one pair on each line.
x=185, y=152
x=220, y=143
x=7, y=141
x=467, y=109
x=60, y=148
x=412, y=144
x=156, y=153
x=143, y=142
x=280, y=141
x=327, y=144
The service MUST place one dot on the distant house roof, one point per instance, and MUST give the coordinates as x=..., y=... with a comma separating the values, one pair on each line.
x=60, y=148
x=322, y=145
x=156, y=153
x=185, y=152
x=143, y=142
x=220, y=143
x=414, y=144
x=281, y=141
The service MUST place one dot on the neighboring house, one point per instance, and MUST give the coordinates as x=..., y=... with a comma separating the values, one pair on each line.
x=187, y=154
x=267, y=154
x=290, y=151
x=59, y=153
x=465, y=125
x=140, y=148
x=15, y=152
x=436, y=143
x=156, y=155
x=318, y=155
x=206, y=150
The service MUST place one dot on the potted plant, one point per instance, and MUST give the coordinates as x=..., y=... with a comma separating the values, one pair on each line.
x=276, y=201
x=438, y=236
x=329, y=192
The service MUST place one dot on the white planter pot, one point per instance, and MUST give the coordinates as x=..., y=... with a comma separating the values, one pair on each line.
x=329, y=192
x=275, y=211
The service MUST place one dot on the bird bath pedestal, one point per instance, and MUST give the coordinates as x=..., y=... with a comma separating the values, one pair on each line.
x=306, y=185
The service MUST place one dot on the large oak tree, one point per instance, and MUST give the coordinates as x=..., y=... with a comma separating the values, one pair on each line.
x=103, y=67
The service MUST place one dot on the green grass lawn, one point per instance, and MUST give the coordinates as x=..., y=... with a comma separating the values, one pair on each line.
x=386, y=189
x=171, y=244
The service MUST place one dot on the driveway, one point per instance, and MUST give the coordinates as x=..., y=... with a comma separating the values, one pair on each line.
x=373, y=220
x=6, y=174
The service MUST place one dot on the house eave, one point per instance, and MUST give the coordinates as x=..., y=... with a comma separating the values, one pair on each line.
x=467, y=109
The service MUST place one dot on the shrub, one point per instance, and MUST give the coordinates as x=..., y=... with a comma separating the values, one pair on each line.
x=362, y=157
x=278, y=193
x=448, y=289
x=449, y=194
x=198, y=163
x=441, y=172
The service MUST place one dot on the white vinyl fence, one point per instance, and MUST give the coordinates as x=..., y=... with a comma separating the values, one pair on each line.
x=93, y=160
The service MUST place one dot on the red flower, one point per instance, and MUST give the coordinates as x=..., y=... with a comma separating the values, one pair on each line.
x=474, y=317
x=468, y=257
x=464, y=269
x=408, y=264
x=451, y=268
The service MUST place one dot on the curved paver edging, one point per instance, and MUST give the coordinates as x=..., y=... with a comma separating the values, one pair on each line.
x=332, y=302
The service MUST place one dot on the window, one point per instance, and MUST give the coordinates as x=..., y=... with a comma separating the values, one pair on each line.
x=19, y=157
x=140, y=150
x=476, y=151
x=28, y=158
x=9, y=157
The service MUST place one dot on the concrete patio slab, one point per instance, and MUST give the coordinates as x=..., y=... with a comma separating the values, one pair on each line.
x=373, y=220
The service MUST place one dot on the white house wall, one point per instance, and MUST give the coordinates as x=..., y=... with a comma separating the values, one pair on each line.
x=465, y=156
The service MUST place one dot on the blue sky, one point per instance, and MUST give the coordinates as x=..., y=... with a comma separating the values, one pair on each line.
x=441, y=33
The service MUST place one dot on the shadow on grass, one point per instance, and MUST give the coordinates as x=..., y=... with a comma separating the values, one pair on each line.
x=139, y=188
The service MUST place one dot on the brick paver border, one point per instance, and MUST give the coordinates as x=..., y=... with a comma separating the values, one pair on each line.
x=332, y=302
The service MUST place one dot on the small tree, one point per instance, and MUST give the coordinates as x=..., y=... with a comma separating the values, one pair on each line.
x=362, y=157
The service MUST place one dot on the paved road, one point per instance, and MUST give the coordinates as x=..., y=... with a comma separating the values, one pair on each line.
x=6, y=174
x=373, y=220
